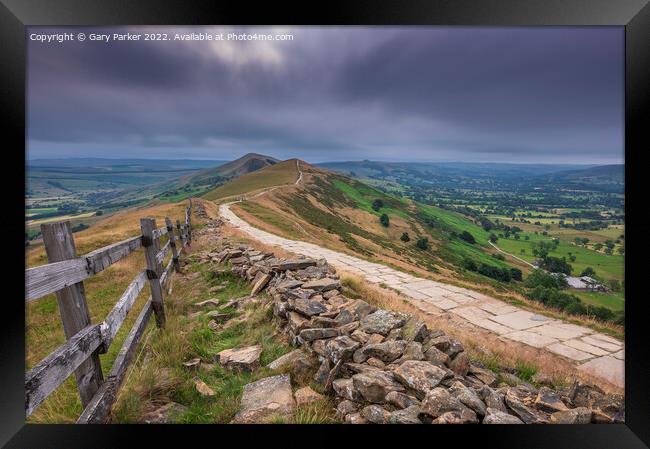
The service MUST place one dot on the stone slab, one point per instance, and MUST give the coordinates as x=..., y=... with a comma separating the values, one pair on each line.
x=531, y=338
x=586, y=347
x=561, y=331
x=595, y=340
x=520, y=320
x=569, y=352
x=606, y=367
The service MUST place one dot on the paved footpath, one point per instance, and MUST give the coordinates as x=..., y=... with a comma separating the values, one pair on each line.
x=592, y=352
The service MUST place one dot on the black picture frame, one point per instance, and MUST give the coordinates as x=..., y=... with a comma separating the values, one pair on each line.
x=634, y=15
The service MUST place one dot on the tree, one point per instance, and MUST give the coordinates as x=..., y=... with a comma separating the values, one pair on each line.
x=493, y=238
x=515, y=274
x=588, y=272
x=422, y=243
x=598, y=246
x=405, y=237
x=377, y=204
x=99, y=213
x=556, y=265
x=384, y=220
x=469, y=238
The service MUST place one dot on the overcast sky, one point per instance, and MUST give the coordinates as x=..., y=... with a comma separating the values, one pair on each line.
x=545, y=95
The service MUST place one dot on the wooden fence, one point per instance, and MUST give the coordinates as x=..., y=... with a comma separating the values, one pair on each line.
x=64, y=275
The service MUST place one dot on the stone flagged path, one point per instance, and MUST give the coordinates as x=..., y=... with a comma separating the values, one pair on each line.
x=594, y=353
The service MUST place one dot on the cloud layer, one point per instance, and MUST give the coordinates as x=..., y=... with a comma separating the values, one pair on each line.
x=333, y=93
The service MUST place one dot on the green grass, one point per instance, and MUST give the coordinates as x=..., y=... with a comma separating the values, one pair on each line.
x=607, y=267
x=612, y=300
x=363, y=196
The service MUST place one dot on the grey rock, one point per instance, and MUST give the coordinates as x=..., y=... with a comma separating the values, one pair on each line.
x=240, y=359
x=420, y=376
x=297, y=322
x=266, y=399
x=381, y=322
x=387, y=351
x=286, y=360
x=494, y=416
x=347, y=329
x=360, y=336
x=468, y=397
x=578, y=415
x=460, y=364
x=316, y=334
x=344, y=317
x=346, y=389
x=484, y=375
x=493, y=399
x=355, y=418
x=322, y=285
x=346, y=407
x=375, y=414
x=342, y=348
x=323, y=371
x=309, y=307
x=375, y=385
x=436, y=356
x=421, y=333
x=319, y=321
x=413, y=351
x=409, y=415
x=359, y=356
x=401, y=400
x=549, y=401
x=290, y=264
x=438, y=401
x=465, y=416
x=527, y=414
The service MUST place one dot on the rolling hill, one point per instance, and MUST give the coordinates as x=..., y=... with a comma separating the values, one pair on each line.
x=246, y=164
x=337, y=212
x=276, y=174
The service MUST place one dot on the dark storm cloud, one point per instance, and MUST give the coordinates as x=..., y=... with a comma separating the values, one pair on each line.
x=510, y=94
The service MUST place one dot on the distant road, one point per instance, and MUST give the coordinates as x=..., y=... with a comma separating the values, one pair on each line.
x=512, y=255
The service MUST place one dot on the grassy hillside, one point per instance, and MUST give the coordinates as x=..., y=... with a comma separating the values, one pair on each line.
x=281, y=173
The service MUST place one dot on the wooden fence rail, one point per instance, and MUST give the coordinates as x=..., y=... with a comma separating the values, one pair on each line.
x=64, y=275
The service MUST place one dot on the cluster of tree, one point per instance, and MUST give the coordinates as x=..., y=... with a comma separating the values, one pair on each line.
x=79, y=227
x=556, y=265
x=422, y=243
x=469, y=238
x=548, y=289
x=494, y=272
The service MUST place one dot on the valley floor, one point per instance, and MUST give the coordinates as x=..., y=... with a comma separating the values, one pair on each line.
x=592, y=352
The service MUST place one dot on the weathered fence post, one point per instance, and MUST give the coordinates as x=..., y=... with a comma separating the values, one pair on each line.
x=154, y=269
x=172, y=243
x=188, y=220
x=59, y=246
x=180, y=232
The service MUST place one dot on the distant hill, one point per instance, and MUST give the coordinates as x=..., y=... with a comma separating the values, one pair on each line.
x=608, y=178
x=278, y=173
x=246, y=164
x=378, y=169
